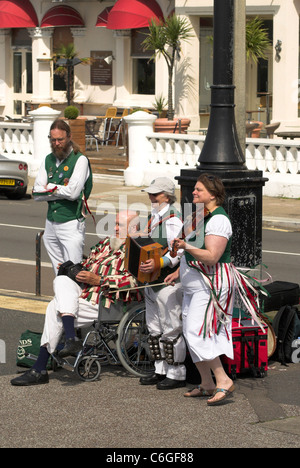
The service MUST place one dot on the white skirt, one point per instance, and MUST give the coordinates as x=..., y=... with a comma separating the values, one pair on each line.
x=196, y=297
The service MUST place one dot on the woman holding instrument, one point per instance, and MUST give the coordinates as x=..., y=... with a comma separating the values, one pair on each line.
x=208, y=290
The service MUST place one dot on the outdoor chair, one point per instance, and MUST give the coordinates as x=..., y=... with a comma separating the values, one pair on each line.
x=92, y=128
x=120, y=127
x=107, y=119
x=271, y=128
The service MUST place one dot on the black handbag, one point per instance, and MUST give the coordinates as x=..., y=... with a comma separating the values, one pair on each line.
x=71, y=270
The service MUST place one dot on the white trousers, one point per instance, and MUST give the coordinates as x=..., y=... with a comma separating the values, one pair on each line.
x=66, y=301
x=193, y=315
x=163, y=317
x=64, y=241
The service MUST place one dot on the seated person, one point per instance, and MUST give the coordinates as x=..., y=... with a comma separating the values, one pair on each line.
x=74, y=307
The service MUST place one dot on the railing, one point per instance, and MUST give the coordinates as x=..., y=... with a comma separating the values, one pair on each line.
x=16, y=140
x=278, y=159
x=268, y=155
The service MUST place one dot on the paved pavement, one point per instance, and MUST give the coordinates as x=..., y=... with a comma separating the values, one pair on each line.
x=116, y=412
x=277, y=212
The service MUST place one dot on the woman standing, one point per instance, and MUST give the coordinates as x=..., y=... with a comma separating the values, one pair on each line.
x=163, y=303
x=208, y=288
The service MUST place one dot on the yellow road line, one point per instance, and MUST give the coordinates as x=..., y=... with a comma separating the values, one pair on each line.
x=24, y=305
x=277, y=229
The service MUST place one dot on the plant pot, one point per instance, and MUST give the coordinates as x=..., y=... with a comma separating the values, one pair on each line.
x=171, y=126
x=77, y=127
x=256, y=132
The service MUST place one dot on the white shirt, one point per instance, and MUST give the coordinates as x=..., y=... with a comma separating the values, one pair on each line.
x=71, y=191
x=173, y=229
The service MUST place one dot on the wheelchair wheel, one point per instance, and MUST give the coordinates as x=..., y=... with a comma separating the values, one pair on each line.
x=88, y=368
x=132, y=346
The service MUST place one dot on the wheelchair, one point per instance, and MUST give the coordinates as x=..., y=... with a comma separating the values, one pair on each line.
x=116, y=338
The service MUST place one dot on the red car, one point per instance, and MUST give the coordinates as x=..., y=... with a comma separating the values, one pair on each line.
x=13, y=178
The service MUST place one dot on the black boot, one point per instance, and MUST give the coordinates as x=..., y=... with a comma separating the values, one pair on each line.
x=169, y=384
x=152, y=379
x=72, y=348
x=31, y=377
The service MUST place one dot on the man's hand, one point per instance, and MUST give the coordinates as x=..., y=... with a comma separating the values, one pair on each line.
x=173, y=277
x=88, y=277
x=148, y=266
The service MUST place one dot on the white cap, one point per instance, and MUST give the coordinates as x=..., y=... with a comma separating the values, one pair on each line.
x=161, y=184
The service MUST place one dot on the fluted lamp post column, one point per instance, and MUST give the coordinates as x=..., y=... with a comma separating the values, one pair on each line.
x=222, y=155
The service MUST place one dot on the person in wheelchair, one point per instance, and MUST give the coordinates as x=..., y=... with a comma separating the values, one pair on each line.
x=163, y=303
x=76, y=302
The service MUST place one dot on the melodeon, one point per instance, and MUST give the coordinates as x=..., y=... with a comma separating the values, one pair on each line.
x=138, y=250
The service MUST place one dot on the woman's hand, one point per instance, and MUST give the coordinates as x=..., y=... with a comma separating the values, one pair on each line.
x=178, y=244
x=88, y=277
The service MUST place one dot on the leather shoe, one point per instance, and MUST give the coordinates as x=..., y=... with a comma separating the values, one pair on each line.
x=152, y=379
x=31, y=377
x=169, y=384
x=72, y=348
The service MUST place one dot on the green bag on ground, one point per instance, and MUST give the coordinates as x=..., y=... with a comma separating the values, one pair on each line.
x=29, y=342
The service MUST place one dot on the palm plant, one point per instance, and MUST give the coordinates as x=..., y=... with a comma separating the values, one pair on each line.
x=68, y=54
x=160, y=104
x=165, y=39
x=257, y=39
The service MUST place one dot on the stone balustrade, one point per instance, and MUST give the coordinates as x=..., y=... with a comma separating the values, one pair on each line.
x=278, y=159
x=155, y=154
x=16, y=140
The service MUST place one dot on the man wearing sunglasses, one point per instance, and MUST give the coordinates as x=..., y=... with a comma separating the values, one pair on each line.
x=65, y=182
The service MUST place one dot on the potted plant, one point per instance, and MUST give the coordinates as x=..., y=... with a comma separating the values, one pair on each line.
x=71, y=113
x=77, y=125
x=165, y=39
x=160, y=105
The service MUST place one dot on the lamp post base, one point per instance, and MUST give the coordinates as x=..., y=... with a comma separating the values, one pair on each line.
x=244, y=206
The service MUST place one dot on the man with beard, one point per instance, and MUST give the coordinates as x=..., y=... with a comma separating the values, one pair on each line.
x=74, y=307
x=65, y=182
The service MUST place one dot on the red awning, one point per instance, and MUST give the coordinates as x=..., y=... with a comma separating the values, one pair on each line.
x=17, y=14
x=103, y=17
x=132, y=14
x=62, y=16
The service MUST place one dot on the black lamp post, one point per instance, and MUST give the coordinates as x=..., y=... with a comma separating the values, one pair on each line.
x=222, y=148
x=222, y=154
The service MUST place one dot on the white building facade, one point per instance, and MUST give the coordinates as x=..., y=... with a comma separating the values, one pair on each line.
x=121, y=73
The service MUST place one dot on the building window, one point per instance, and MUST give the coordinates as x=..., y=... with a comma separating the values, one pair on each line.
x=143, y=67
x=21, y=69
x=143, y=76
x=20, y=38
x=206, y=63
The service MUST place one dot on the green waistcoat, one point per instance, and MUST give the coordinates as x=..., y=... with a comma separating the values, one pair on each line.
x=226, y=258
x=62, y=210
x=160, y=235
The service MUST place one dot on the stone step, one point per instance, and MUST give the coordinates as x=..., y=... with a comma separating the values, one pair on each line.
x=108, y=161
